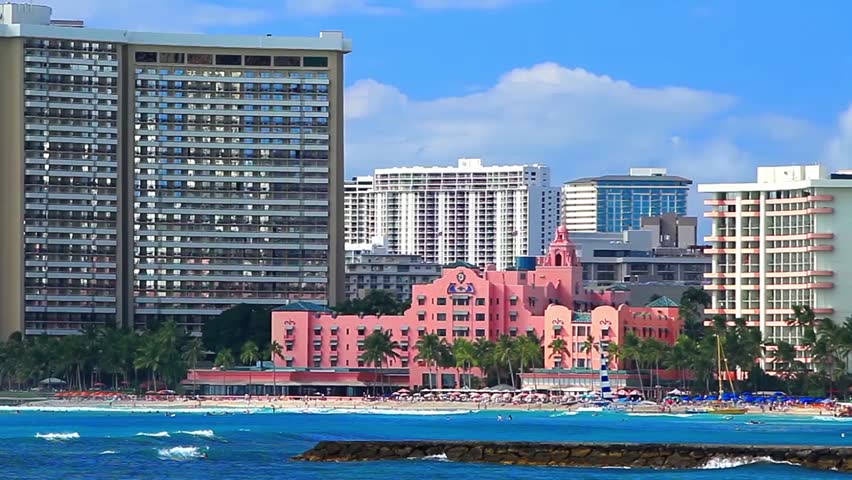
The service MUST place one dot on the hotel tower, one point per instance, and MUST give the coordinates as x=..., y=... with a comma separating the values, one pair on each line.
x=150, y=177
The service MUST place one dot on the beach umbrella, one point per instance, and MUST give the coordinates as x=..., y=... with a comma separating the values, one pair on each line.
x=52, y=381
x=621, y=392
x=402, y=391
x=635, y=392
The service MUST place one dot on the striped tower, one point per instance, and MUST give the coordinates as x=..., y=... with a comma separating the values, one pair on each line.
x=606, y=388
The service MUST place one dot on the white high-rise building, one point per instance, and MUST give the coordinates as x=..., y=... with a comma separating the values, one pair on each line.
x=359, y=223
x=470, y=212
x=775, y=245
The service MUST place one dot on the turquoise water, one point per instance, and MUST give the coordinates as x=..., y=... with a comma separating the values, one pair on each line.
x=100, y=445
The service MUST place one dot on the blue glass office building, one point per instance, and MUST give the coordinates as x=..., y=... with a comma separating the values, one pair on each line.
x=614, y=203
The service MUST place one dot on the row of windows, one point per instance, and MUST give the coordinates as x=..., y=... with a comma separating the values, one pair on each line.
x=231, y=60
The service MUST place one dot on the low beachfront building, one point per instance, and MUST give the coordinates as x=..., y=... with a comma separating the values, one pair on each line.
x=321, y=351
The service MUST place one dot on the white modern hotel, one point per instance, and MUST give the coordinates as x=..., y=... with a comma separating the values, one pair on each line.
x=775, y=245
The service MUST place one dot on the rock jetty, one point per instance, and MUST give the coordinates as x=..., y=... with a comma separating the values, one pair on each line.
x=639, y=455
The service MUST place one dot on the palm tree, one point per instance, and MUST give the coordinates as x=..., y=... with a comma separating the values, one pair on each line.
x=559, y=349
x=192, y=353
x=613, y=353
x=224, y=360
x=379, y=347
x=483, y=351
x=588, y=347
x=148, y=358
x=430, y=348
x=249, y=355
x=692, y=304
x=464, y=353
x=275, y=350
x=529, y=352
x=504, y=352
x=631, y=349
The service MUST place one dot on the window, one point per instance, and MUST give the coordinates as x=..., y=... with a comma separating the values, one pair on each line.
x=168, y=57
x=421, y=301
x=480, y=317
x=146, y=57
x=258, y=61
x=317, y=347
x=480, y=301
x=229, y=59
x=480, y=332
x=442, y=332
x=461, y=301
x=442, y=301
x=290, y=362
x=289, y=346
x=288, y=61
x=361, y=330
x=442, y=317
x=199, y=59
x=316, y=62
x=421, y=316
x=513, y=301
x=333, y=362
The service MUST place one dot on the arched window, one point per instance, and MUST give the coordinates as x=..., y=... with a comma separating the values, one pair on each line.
x=558, y=259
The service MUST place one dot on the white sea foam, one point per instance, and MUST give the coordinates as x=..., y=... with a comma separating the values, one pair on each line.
x=198, y=433
x=441, y=457
x=108, y=409
x=673, y=415
x=108, y=452
x=716, y=463
x=153, y=434
x=180, y=453
x=563, y=414
x=616, y=468
x=826, y=418
x=58, y=437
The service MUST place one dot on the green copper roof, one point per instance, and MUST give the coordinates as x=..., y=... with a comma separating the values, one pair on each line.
x=663, y=302
x=303, y=307
x=461, y=264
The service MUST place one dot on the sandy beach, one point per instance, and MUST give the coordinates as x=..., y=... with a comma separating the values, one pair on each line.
x=357, y=404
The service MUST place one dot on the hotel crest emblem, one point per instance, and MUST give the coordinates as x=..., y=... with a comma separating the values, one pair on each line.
x=460, y=287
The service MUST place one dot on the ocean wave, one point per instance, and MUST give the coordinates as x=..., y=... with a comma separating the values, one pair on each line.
x=673, y=415
x=831, y=419
x=108, y=409
x=154, y=434
x=441, y=457
x=716, y=463
x=108, y=452
x=180, y=453
x=198, y=433
x=563, y=414
x=58, y=437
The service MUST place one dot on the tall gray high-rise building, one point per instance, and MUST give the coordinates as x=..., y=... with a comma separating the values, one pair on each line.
x=151, y=176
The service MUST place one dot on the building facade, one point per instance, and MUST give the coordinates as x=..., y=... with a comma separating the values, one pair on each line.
x=464, y=303
x=165, y=176
x=614, y=203
x=373, y=268
x=773, y=247
x=470, y=213
x=662, y=252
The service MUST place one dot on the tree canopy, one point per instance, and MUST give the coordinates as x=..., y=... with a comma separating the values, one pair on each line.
x=234, y=327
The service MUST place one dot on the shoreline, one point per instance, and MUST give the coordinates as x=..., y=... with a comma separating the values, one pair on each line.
x=255, y=405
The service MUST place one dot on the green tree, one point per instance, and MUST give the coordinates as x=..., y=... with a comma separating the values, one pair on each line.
x=375, y=302
x=379, y=348
x=249, y=355
x=589, y=346
x=504, y=352
x=224, y=360
x=430, y=348
x=693, y=301
x=237, y=325
x=464, y=353
x=192, y=353
x=275, y=351
x=484, y=352
x=559, y=349
x=529, y=353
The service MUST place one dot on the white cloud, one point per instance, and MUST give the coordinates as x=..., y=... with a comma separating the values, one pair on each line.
x=838, y=152
x=574, y=120
x=338, y=7
x=466, y=4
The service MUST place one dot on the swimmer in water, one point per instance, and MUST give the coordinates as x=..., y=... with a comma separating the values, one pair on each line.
x=204, y=456
x=510, y=418
x=499, y=418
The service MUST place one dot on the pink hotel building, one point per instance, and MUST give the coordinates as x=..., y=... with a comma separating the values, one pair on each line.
x=321, y=350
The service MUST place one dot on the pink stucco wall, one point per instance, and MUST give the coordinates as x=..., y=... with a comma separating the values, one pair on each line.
x=468, y=303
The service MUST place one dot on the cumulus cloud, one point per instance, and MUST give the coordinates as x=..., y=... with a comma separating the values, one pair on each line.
x=838, y=152
x=576, y=121
x=466, y=4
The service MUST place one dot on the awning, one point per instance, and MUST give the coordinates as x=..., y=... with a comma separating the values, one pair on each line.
x=377, y=328
x=421, y=329
x=557, y=327
x=513, y=329
x=530, y=329
x=513, y=297
x=421, y=297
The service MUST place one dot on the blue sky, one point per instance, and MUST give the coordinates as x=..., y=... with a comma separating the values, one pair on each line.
x=707, y=89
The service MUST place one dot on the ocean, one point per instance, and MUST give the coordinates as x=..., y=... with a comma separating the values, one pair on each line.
x=148, y=445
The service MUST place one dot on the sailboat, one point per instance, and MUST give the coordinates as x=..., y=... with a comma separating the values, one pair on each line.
x=724, y=410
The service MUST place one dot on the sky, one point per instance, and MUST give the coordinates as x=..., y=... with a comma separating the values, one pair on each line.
x=709, y=90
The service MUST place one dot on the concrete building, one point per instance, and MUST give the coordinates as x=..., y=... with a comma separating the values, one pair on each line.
x=662, y=252
x=322, y=350
x=165, y=176
x=614, y=203
x=470, y=212
x=371, y=267
x=773, y=247
x=359, y=220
